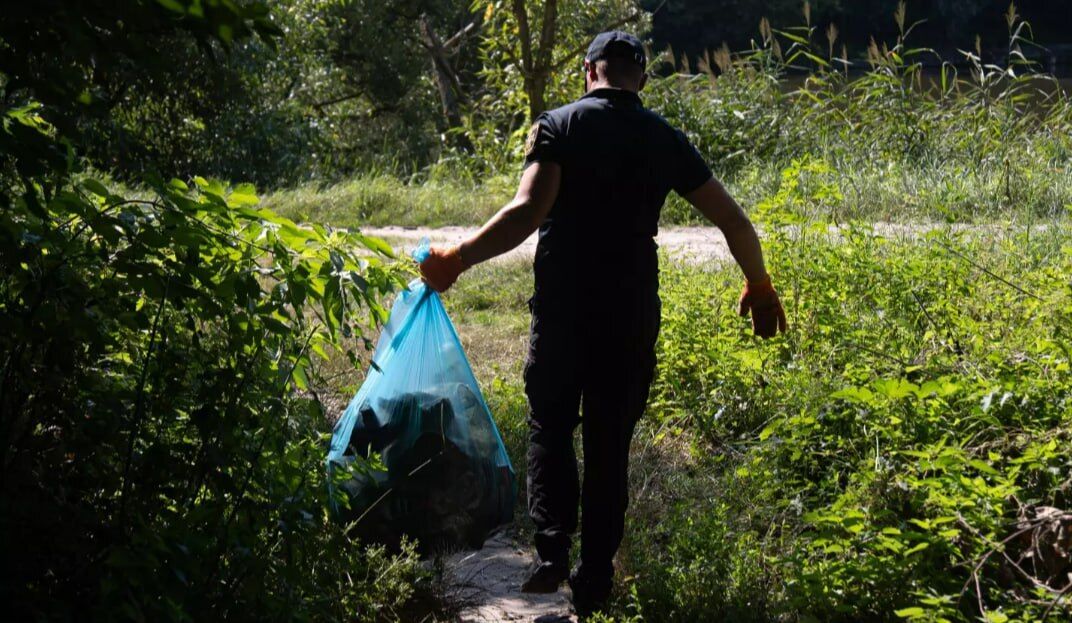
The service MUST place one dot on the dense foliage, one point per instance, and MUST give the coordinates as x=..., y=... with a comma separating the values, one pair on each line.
x=908, y=438
x=694, y=26
x=899, y=135
x=899, y=139
x=407, y=87
x=902, y=454
x=161, y=448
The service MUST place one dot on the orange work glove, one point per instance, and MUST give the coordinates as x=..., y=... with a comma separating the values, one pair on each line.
x=442, y=267
x=759, y=297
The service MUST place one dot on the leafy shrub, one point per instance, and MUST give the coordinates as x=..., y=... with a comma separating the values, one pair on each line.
x=163, y=458
x=161, y=437
x=884, y=459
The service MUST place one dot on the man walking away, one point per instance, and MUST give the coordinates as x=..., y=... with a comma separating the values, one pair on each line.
x=597, y=172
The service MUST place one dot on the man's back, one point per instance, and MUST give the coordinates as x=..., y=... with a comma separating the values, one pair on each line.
x=619, y=161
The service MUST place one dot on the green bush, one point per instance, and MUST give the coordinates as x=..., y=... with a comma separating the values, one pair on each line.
x=883, y=460
x=161, y=436
x=163, y=453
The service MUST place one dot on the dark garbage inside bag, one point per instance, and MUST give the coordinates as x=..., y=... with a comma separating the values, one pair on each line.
x=445, y=495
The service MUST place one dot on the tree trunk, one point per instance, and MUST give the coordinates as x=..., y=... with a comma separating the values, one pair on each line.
x=446, y=79
x=536, y=64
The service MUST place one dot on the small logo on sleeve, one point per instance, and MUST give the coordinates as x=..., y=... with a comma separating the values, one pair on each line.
x=530, y=142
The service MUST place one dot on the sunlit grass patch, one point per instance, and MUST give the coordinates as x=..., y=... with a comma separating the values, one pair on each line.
x=370, y=201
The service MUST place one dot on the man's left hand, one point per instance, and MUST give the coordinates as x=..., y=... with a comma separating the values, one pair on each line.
x=759, y=298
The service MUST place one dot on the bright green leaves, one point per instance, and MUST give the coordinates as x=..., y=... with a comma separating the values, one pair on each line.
x=888, y=441
x=895, y=389
x=376, y=244
x=290, y=268
x=808, y=187
x=243, y=195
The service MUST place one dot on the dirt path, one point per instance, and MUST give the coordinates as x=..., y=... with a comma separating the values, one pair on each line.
x=688, y=243
x=486, y=583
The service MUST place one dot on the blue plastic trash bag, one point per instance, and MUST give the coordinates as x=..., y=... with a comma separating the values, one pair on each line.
x=448, y=481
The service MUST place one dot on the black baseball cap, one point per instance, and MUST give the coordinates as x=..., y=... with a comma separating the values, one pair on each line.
x=617, y=44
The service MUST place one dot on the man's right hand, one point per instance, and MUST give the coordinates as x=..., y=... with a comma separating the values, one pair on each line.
x=759, y=298
x=442, y=267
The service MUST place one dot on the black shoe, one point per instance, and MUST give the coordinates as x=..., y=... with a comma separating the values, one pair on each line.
x=590, y=595
x=546, y=578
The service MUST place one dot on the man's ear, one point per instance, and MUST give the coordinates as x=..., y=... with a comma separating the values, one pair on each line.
x=590, y=71
x=643, y=81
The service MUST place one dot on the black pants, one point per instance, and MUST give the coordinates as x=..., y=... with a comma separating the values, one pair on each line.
x=600, y=361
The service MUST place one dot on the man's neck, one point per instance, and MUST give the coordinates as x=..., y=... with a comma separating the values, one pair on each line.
x=606, y=85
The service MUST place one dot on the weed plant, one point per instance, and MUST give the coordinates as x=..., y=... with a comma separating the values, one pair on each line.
x=903, y=135
x=886, y=459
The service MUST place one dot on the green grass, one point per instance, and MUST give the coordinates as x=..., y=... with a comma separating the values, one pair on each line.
x=935, y=192
x=381, y=200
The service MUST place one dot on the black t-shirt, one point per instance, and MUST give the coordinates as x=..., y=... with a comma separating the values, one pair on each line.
x=619, y=161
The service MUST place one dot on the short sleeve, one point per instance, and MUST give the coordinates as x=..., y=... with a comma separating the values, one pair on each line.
x=543, y=143
x=690, y=170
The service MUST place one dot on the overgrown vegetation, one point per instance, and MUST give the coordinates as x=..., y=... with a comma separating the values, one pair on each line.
x=897, y=140
x=898, y=135
x=161, y=450
x=173, y=351
x=896, y=456
x=908, y=438
x=380, y=200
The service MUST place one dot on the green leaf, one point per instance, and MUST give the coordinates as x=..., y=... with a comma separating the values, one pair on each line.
x=918, y=547
x=172, y=5
x=376, y=244
x=243, y=195
x=860, y=395
x=895, y=388
x=299, y=377
x=95, y=187
x=983, y=466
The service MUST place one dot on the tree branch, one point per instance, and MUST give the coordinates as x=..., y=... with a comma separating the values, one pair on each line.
x=335, y=100
x=457, y=37
x=568, y=58
x=547, y=36
x=522, y=18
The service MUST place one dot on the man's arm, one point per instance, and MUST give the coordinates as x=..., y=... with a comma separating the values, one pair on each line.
x=712, y=200
x=758, y=297
x=508, y=228
x=514, y=223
